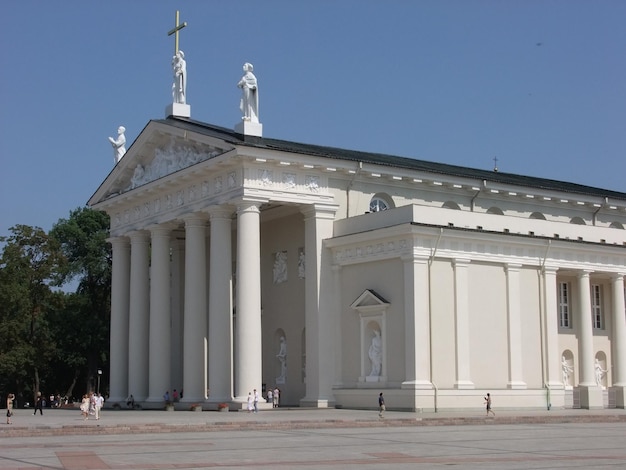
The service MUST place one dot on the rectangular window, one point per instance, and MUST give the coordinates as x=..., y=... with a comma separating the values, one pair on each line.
x=596, y=307
x=564, y=316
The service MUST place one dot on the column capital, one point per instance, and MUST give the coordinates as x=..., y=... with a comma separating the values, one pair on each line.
x=461, y=262
x=618, y=277
x=119, y=240
x=162, y=229
x=583, y=274
x=326, y=211
x=549, y=270
x=224, y=211
x=195, y=219
x=139, y=235
x=512, y=267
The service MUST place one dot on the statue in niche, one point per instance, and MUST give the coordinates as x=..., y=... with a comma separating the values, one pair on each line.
x=179, y=87
x=119, y=144
x=280, y=267
x=249, y=103
x=375, y=354
x=301, y=265
x=599, y=373
x=282, y=357
x=567, y=370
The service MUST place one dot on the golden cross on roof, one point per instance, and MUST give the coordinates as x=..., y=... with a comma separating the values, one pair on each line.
x=177, y=28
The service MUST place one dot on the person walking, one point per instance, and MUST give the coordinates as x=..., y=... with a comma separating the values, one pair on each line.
x=488, y=403
x=99, y=404
x=381, y=406
x=38, y=404
x=256, y=401
x=10, y=398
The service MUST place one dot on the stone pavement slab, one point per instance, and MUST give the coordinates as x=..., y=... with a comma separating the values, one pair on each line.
x=70, y=422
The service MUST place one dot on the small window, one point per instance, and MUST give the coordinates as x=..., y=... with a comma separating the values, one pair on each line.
x=596, y=307
x=451, y=205
x=495, y=210
x=537, y=215
x=577, y=221
x=564, y=310
x=616, y=225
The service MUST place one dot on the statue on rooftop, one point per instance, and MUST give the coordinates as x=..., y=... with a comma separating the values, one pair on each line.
x=179, y=87
x=249, y=104
x=118, y=144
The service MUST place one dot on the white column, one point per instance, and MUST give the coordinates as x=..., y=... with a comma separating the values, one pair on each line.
x=319, y=306
x=590, y=392
x=177, y=305
x=619, y=340
x=585, y=342
x=138, y=326
x=416, y=324
x=120, y=299
x=551, y=327
x=514, y=307
x=160, y=321
x=220, y=307
x=195, y=313
x=248, y=370
x=461, y=316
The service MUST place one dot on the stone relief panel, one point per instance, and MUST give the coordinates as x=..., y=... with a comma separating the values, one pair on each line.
x=301, y=263
x=289, y=180
x=170, y=159
x=312, y=183
x=265, y=177
x=280, y=267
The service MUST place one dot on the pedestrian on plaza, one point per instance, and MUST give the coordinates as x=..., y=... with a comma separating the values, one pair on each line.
x=166, y=397
x=175, y=396
x=276, y=397
x=256, y=401
x=130, y=401
x=99, y=404
x=10, y=398
x=38, y=404
x=250, y=402
x=488, y=403
x=381, y=406
x=270, y=396
x=84, y=407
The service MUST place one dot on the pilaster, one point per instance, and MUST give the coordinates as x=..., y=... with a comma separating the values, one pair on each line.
x=514, y=313
x=462, y=323
x=619, y=339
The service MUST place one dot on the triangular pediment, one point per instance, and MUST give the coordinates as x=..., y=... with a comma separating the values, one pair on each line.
x=369, y=299
x=159, y=151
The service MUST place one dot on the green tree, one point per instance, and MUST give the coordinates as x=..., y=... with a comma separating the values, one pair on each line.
x=29, y=265
x=86, y=314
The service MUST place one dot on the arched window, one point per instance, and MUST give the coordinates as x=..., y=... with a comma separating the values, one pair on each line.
x=380, y=202
x=616, y=225
x=577, y=221
x=495, y=210
x=537, y=215
x=451, y=205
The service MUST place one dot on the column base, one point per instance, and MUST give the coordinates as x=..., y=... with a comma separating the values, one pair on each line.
x=316, y=403
x=591, y=397
x=464, y=385
x=620, y=396
x=517, y=385
x=416, y=385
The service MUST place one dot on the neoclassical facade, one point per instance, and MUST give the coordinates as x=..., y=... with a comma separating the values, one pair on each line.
x=242, y=262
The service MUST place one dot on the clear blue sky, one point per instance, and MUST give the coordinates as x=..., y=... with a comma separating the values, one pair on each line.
x=539, y=84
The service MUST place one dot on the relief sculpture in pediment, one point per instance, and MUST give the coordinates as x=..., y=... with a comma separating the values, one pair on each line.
x=168, y=160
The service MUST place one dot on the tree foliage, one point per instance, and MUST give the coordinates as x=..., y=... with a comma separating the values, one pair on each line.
x=53, y=340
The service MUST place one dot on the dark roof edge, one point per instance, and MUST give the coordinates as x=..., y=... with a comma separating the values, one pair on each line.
x=235, y=138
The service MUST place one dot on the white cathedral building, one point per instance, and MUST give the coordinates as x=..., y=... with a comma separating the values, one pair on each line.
x=242, y=262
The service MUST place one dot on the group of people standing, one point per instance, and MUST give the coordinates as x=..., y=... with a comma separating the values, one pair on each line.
x=91, y=404
x=273, y=397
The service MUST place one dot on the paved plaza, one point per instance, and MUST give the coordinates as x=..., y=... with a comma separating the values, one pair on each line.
x=315, y=439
